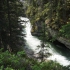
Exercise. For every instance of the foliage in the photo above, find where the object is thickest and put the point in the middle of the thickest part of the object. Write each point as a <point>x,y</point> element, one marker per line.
<point>56,11</point>
<point>50,65</point>
<point>11,31</point>
<point>43,52</point>
<point>36,10</point>
<point>10,28</point>
<point>65,30</point>
<point>10,61</point>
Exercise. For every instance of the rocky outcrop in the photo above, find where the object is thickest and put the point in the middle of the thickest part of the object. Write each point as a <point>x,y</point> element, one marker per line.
<point>65,41</point>
<point>62,40</point>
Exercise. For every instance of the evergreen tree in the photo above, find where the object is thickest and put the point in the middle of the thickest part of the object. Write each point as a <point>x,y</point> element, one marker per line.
<point>10,28</point>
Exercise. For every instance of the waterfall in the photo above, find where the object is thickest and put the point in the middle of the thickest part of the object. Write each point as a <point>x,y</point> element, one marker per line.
<point>28,29</point>
<point>32,42</point>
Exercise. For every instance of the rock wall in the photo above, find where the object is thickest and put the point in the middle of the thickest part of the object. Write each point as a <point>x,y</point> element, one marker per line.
<point>63,40</point>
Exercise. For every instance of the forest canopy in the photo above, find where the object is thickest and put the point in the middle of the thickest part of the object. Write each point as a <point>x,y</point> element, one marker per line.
<point>56,11</point>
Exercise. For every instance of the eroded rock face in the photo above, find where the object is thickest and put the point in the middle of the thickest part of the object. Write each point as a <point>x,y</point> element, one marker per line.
<point>63,40</point>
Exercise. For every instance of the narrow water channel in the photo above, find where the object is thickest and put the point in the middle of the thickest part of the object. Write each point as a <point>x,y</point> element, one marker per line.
<point>59,54</point>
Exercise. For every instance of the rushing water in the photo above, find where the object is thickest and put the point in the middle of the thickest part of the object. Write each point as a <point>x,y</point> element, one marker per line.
<point>59,54</point>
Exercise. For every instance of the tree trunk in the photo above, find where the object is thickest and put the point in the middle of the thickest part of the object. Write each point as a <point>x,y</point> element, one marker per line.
<point>10,31</point>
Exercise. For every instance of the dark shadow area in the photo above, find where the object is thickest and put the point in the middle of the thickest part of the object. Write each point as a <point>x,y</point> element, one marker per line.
<point>62,49</point>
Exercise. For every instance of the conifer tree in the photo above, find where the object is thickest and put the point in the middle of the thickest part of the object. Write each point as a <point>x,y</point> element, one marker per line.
<point>10,28</point>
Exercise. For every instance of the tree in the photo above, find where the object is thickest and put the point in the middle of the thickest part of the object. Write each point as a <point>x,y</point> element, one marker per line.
<point>10,31</point>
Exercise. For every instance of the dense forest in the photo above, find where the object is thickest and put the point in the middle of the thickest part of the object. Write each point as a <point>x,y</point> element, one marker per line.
<point>55,14</point>
<point>43,14</point>
<point>10,28</point>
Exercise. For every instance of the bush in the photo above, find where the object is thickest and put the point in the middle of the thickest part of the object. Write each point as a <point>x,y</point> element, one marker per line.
<point>65,30</point>
<point>50,65</point>
<point>11,60</point>
<point>19,61</point>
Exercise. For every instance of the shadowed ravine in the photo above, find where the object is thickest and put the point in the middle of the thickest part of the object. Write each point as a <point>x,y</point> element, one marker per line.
<point>32,42</point>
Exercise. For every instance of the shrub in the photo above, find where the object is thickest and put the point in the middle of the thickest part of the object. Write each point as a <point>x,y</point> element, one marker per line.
<point>65,30</point>
<point>19,61</point>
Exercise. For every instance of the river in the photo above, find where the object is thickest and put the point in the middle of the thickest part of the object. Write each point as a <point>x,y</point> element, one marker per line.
<point>59,54</point>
